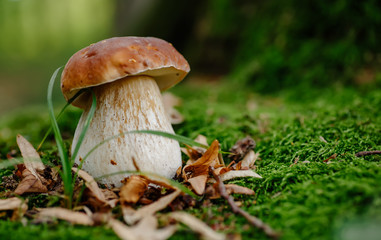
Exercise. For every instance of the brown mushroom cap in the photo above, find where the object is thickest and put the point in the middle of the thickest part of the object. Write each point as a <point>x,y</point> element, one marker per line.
<point>119,57</point>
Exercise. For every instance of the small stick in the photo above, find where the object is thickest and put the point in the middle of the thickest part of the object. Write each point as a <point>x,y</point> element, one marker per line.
<point>365,153</point>
<point>135,164</point>
<point>331,157</point>
<point>256,222</point>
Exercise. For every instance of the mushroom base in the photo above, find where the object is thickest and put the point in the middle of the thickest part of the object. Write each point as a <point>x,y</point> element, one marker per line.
<point>131,103</point>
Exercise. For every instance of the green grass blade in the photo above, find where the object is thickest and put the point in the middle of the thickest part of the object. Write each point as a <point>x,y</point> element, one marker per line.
<point>86,126</point>
<point>66,167</point>
<point>176,137</point>
<point>6,163</point>
<point>59,116</point>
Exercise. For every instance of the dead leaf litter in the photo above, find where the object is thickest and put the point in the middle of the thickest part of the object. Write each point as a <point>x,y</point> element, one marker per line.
<point>142,199</point>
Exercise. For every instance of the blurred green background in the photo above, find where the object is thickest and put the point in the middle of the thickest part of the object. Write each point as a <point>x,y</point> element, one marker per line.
<point>264,45</point>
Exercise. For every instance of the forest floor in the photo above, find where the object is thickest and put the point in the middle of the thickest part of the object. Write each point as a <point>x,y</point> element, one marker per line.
<point>313,185</point>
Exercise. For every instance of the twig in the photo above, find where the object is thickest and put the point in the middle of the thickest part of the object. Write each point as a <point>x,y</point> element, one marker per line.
<point>366,153</point>
<point>135,164</point>
<point>256,222</point>
<point>331,157</point>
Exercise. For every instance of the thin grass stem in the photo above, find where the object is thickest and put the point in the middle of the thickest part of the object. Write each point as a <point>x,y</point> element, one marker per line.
<point>66,168</point>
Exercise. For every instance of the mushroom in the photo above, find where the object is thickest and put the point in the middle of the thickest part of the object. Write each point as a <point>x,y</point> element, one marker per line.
<point>126,74</point>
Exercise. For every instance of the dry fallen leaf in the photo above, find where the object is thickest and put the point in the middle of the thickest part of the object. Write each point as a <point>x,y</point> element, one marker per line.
<point>32,159</point>
<point>198,183</point>
<point>237,174</point>
<point>241,148</point>
<point>11,203</point>
<point>221,170</point>
<point>201,166</point>
<point>197,172</point>
<point>170,102</point>
<point>133,189</point>
<point>131,216</point>
<point>233,188</point>
<point>193,152</point>
<point>249,160</point>
<point>92,185</point>
<point>30,184</point>
<point>197,225</point>
<point>213,193</point>
<point>147,228</point>
<point>65,214</point>
<point>18,206</point>
<point>31,181</point>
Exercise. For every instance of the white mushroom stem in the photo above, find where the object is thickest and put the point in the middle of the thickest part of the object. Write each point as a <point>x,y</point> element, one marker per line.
<point>132,103</point>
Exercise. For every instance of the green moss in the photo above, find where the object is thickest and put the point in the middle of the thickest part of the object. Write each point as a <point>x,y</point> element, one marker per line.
<point>311,199</point>
<point>62,230</point>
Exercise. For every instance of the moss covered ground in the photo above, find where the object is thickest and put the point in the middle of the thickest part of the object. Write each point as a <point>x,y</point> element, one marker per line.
<point>301,195</point>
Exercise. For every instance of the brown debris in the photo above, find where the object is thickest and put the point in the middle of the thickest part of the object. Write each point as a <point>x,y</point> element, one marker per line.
<point>133,189</point>
<point>331,157</point>
<point>30,184</point>
<point>93,187</point>
<point>131,216</point>
<point>237,174</point>
<point>201,166</point>
<point>366,153</point>
<point>256,222</point>
<point>32,181</point>
<point>213,193</point>
<point>142,196</point>
<point>241,148</point>
<point>198,183</point>
<point>17,205</point>
<point>194,152</point>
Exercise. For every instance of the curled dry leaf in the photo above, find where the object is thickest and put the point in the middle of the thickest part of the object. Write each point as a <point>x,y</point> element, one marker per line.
<point>197,225</point>
<point>201,166</point>
<point>221,170</point>
<point>131,216</point>
<point>92,185</point>
<point>171,101</point>
<point>197,172</point>
<point>193,152</point>
<point>66,214</point>
<point>147,228</point>
<point>249,160</point>
<point>241,148</point>
<point>30,184</point>
<point>133,189</point>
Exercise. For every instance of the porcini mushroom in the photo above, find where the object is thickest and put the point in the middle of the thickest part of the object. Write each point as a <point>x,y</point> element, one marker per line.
<point>126,75</point>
